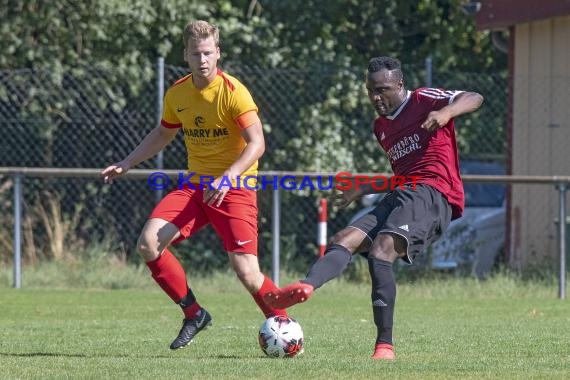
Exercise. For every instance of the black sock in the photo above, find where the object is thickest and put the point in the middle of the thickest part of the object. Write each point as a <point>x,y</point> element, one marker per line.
<point>331,265</point>
<point>383,297</point>
<point>188,299</point>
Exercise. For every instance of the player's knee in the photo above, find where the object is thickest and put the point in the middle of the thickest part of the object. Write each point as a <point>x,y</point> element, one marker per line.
<point>388,247</point>
<point>246,268</point>
<point>146,249</point>
<point>349,238</point>
<point>383,255</point>
<point>244,272</point>
<point>249,277</point>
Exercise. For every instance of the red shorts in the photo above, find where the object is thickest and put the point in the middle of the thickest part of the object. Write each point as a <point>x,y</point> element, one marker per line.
<point>235,220</point>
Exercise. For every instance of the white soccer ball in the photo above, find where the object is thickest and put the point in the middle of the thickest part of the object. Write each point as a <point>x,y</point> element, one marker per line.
<point>281,337</point>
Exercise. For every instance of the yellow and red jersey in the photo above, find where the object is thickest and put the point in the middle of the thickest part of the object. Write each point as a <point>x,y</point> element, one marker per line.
<point>208,118</point>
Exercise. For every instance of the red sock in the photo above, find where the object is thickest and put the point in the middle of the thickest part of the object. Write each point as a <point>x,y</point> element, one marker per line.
<point>170,276</point>
<point>267,310</point>
<point>191,311</point>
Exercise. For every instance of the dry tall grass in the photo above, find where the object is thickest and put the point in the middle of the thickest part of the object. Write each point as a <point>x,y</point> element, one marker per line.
<point>48,233</point>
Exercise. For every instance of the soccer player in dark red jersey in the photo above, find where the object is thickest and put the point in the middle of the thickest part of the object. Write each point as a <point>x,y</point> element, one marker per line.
<point>224,139</point>
<point>416,130</point>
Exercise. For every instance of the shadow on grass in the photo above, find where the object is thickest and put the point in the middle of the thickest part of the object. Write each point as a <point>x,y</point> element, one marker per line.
<point>56,354</point>
<point>229,357</point>
<point>32,354</point>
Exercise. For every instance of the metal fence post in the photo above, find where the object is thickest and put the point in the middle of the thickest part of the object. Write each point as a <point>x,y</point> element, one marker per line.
<point>17,230</point>
<point>276,235</point>
<point>562,242</point>
<point>429,71</point>
<point>159,105</point>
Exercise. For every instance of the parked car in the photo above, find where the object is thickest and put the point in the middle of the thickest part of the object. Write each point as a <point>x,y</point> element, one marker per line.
<point>473,243</point>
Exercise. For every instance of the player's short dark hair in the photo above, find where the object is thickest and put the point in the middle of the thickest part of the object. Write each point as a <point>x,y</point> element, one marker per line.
<point>392,64</point>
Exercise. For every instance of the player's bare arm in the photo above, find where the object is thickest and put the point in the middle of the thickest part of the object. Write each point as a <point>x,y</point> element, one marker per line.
<point>153,143</point>
<point>342,198</point>
<point>253,136</point>
<point>463,103</point>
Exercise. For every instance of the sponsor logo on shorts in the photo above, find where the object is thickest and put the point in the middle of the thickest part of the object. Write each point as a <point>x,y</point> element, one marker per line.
<point>241,243</point>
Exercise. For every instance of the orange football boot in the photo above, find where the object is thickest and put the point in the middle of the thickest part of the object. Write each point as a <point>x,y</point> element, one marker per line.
<point>282,298</point>
<point>384,351</point>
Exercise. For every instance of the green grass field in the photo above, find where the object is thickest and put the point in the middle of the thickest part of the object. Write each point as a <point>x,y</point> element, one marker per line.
<point>445,329</point>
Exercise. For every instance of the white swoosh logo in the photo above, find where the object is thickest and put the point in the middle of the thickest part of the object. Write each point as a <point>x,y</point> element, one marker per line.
<point>201,322</point>
<point>239,242</point>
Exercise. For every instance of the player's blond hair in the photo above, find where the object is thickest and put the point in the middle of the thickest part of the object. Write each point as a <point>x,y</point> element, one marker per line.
<point>199,30</point>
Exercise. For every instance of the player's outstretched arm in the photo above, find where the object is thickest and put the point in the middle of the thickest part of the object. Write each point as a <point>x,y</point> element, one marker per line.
<point>153,143</point>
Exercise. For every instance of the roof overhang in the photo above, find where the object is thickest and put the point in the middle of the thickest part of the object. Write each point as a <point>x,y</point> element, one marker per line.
<point>499,14</point>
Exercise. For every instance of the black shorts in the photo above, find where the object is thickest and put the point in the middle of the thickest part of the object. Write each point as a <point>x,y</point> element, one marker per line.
<point>420,216</point>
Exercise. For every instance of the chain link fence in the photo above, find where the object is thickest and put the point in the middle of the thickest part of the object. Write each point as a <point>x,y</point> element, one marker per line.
<point>87,117</point>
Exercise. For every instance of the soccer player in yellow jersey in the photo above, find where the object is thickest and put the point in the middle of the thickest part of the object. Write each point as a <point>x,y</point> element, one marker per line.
<point>224,140</point>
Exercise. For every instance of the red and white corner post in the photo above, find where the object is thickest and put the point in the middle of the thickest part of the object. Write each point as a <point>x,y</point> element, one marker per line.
<point>322,232</point>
